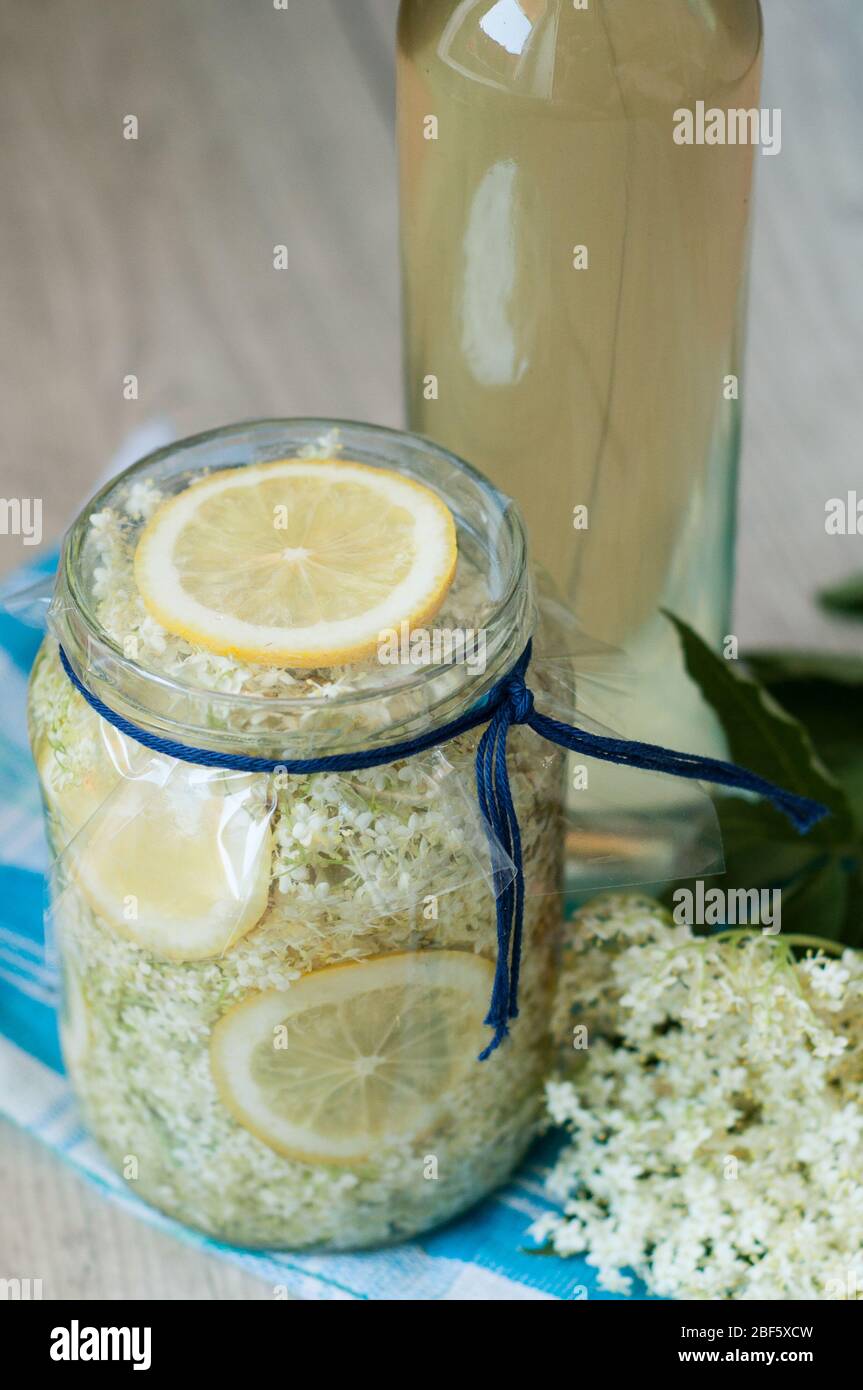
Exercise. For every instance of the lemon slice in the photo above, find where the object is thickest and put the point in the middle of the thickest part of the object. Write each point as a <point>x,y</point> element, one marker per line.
<point>76,796</point>
<point>296,563</point>
<point>74,1023</point>
<point>355,1056</point>
<point>181,870</point>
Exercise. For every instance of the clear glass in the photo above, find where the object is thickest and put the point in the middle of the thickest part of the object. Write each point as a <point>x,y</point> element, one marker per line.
<point>274,986</point>
<point>573,291</point>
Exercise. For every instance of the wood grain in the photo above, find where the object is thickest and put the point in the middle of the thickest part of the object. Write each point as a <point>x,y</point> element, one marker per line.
<point>57,1228</point>
<point>154,257</point>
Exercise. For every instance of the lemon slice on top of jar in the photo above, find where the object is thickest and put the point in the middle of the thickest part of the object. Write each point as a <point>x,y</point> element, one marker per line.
<point>353,1057</point>
<point>297,562</point>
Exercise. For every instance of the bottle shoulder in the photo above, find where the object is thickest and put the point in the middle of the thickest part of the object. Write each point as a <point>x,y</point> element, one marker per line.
<point>574,60</point>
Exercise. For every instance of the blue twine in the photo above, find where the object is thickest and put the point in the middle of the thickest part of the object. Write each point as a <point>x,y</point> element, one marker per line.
<point>509,702</point>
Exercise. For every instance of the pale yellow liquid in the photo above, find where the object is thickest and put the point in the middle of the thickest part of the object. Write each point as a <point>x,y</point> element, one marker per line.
<point>603,387</point>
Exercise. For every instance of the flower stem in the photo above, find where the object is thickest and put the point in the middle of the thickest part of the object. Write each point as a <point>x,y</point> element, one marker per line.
<point>817,943</point>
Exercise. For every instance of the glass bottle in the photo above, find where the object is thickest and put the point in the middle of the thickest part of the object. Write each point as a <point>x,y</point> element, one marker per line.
<point>573,285</point>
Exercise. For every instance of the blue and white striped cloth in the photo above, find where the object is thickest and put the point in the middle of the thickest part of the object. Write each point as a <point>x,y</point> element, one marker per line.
<point>484,1256</point>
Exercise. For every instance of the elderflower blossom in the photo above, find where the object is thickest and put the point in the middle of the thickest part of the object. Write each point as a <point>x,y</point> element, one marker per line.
<point>715,1115</point>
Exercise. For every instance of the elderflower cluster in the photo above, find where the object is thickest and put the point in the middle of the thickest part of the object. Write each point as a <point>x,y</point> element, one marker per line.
<point>713,1095</point>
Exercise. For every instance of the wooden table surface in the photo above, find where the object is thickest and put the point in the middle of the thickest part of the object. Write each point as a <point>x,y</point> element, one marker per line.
<point>154,257</point>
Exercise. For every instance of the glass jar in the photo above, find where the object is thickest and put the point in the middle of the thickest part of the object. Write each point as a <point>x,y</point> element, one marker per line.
<point>574,280</point>
<point>274,984</point>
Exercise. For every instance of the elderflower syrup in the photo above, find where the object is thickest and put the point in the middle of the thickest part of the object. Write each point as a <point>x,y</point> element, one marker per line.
<point>275,982</point>
<point>573,281</point>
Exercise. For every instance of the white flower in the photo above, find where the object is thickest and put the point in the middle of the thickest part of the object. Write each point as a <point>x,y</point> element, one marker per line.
<point>142,499</point>
<point>716,1118</point>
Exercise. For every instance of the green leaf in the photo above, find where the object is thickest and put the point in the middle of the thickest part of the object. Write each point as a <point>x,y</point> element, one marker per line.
<point>845,598</point>
<point>783,667</point>
<point>821,894</point>
<point>852,928</point>
<point>818,903</point>
<point>805,732</point>
<point>763,737</point>
<point>826,695</point>
<point>761,849</point>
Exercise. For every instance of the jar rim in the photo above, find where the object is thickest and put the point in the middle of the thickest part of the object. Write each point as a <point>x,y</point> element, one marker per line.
<point>100,660</point>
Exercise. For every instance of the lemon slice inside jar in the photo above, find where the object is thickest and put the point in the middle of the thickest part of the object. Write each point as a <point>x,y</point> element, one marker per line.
<point>353,1057</point>
<point>74,1022</point>
<point>74,794</point>
<point>181,871</point>
<point>297,562</point>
